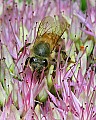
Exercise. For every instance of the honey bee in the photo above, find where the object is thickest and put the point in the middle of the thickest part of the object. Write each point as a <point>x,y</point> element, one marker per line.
<point>49,33</point>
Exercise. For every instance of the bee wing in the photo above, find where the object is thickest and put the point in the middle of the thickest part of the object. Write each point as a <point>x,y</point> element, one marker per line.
<point>45,26</point>
<point>60,25</point>
<point>56,25</point>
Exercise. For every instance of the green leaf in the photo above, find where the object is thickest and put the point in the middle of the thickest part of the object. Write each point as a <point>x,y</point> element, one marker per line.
<point>3,95</point>
<point>89,45</point>
<point>20,1</point>
<point>8,58</point>
<point>78,44</point>
<point>83,5</point>
<point>29,1</point>
<point>49,77</point>
<point>5,77</point>
<point>42,97</point>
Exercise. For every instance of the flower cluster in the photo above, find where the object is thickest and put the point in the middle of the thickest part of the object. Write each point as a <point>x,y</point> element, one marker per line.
<point>65,93</point>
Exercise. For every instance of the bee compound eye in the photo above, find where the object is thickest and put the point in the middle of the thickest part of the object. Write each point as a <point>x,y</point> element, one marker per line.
<point>45,62</point>
<point>33,60</point>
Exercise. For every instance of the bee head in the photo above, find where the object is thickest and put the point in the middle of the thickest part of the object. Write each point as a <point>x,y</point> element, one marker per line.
<point>38,63</point>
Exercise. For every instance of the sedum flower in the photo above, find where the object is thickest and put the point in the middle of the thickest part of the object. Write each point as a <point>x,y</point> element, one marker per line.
<point>67,92</point>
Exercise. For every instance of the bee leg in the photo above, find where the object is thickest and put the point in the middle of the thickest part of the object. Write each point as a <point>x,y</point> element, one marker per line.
<point>26,62</point>
<point>54,63</point>
<point>64,57</point>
